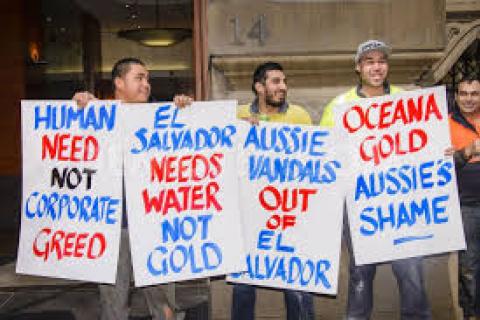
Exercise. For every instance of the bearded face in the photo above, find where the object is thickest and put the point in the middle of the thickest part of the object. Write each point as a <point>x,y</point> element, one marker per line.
<point>274,89</point>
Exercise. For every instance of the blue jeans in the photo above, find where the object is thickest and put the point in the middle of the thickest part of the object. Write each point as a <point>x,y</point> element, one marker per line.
<point>299,304</point>
<point>414,303</point>
<point>469,262</point>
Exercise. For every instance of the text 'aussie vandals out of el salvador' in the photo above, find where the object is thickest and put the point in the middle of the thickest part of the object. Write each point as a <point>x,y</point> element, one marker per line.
<point>284,154</point>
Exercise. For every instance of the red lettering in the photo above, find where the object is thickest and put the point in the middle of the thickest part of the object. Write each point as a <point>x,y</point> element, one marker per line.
<point>64,147</point>
<point>199,162</point>
<point>91,146</point>
<point>156,170</point>
<point>215,161</point>
<point>48,147</point>
<point>263,202</point>
<point>415,111</point>
<point>305,194</point>
<point>171,202</point>
<point>357,117</point>
<point>419,133</point>
<point>186,168</point>
<point>75,148</point>
<point>361,119</point>
<point>370,125</point>
<point>197,196</point>
<point>155,202</point>
<point>288,221</point>
<point>44,252</point>
<point>399,113</point>
<point>432,108</point>
<point>80,245</point>
<point>183,165</point>
<point>69,242</point>
<point>61,244</point>
<point>287,200</point>
<point>386,145</point>
<point>384,114</point>
<point>363,154</point>
<point>98,238</point>
<point>56,244</point>
<point>398,146</point>
<point>389,144</point>
<point>273,222</point>
<point>212,189</point>
<point>170,169</point>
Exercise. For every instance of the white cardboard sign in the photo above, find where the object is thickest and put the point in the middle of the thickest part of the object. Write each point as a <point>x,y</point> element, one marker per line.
<point>72,190</point>
<point>402,193</point>
<point>292,207</point>
<point>182,191</point>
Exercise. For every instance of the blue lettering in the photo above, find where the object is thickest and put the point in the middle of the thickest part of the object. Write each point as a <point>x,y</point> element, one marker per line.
<point>64,116</point>
<point>364,230</point>
<point>151,268</point>
<point>445,172</point>
<point>264,238</point>
<point>426,175</point>
<point>217,253</point>
<point>317,142</point>
<point>282,248</point>
<point>423,209</point>
<point>439,207</point>
<point>174,123</point>
<point>183,258</point>
<point>140,134</point>
<point>185,229</point>
<point>161,116</point>
<point>323,266</point>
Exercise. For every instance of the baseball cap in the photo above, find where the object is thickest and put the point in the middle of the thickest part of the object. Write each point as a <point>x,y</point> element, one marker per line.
<point>371,45</point>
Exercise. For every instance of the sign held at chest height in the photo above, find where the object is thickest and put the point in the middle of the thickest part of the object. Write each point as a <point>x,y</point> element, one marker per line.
<point>71,207</point>
<point>182,193</point>
<point>402,199</point>
<point>291,201</point>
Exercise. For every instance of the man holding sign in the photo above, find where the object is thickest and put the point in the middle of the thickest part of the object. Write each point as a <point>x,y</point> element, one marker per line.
<point>465,128</point>
<point>371,65</point>
<point>131,85</point>
<point>270,88</point>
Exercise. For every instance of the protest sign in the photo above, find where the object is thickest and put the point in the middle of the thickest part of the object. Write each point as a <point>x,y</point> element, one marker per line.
<point>292,207</point>
<point>402,197</point>
<point>72,189</point>
<point>182,191</point>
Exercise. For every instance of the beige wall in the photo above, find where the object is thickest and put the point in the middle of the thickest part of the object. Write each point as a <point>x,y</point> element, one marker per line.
<point>308,27</point>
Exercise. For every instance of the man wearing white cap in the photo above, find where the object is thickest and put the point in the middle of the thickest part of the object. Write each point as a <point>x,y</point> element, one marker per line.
<point>371,65</point>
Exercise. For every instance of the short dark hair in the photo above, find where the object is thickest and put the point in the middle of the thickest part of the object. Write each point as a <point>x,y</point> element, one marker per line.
<point>260,74</point>
<point>122,66</point>
<point>469,78</point>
